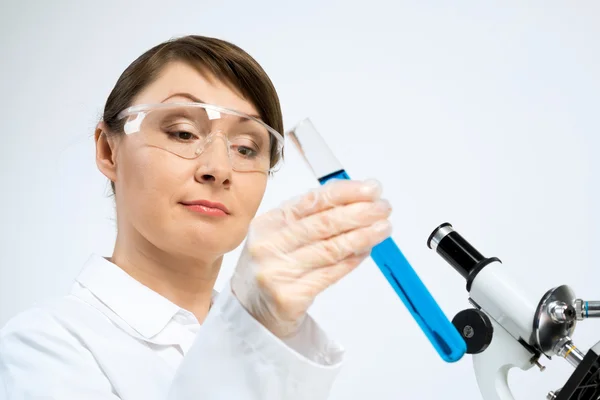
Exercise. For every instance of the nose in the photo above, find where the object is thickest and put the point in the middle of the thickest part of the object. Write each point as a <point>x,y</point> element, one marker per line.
<point>214,165</point>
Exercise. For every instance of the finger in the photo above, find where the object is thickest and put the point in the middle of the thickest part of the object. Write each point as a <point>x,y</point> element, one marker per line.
<point>322,278</point>
<point>333,193</point>
<point>272,220</point>
<point>333,250</point>
<point>329,223</point>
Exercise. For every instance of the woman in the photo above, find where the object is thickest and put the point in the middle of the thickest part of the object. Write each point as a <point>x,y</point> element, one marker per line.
<point>189,135</point>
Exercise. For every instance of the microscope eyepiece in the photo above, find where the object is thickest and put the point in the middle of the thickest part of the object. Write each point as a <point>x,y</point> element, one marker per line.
<point>459,253</point>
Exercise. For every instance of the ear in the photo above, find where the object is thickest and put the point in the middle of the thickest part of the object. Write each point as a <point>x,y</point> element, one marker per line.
<point>106,155</point>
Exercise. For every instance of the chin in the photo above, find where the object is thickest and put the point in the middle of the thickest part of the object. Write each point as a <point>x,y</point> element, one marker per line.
<point>210,238</point>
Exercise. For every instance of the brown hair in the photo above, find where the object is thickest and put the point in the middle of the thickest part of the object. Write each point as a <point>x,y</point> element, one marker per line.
<point>226,61</point>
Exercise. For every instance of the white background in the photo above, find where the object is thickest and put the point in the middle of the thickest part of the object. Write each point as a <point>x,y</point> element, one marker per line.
<point>483,114</point>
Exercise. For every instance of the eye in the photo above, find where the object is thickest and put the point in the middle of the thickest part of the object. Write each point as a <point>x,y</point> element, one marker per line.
<point>182,136</point>
<point>246,151</point>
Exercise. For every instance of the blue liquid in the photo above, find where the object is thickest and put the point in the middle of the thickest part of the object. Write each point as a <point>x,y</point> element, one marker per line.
<point>444,337</point>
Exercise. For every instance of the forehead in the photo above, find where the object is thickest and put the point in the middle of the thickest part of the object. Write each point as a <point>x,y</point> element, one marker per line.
<point>179,77</point>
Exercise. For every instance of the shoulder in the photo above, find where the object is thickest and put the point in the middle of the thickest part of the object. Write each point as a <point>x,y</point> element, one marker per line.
<point>54,325</point>
<point>51,333</point>
<point>37,326</point>
<point>43,348</point>
<point>34,319</point>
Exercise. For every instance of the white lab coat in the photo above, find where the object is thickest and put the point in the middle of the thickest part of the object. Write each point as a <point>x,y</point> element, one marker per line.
<point>113,338</point>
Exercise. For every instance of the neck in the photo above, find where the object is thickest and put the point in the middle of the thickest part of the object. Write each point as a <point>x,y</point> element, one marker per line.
<point>186,281</point>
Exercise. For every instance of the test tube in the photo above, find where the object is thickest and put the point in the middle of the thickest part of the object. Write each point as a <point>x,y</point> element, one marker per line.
<point>442,334</point>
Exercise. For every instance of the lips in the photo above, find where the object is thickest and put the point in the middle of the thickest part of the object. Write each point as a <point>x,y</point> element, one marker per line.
<point>205,205</point>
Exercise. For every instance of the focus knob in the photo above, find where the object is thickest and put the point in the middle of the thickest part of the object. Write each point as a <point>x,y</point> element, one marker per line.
<point>476,329</point>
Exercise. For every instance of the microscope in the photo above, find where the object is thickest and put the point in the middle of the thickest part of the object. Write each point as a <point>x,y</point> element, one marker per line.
<point>507,328</point>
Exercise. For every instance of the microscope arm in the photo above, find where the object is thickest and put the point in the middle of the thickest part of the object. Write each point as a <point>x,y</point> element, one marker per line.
<point>492,365</point>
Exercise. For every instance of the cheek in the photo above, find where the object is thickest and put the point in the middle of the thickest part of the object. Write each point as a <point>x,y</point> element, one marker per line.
<point>148,178</point>
<point>250,192</point>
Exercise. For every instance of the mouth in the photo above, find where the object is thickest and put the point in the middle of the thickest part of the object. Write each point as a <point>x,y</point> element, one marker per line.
<point>206,207</point>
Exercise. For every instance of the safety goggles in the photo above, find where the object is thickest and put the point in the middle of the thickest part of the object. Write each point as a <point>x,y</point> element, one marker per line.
<point>189,129</point>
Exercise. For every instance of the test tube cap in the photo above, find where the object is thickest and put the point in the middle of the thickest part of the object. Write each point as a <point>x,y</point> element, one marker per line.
<point>314,149</point>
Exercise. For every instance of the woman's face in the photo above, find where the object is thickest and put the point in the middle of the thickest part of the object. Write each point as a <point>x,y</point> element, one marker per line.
<point>153,186</point>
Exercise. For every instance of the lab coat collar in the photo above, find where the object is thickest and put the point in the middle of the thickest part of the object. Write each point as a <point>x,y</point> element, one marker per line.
<point>144,310</point>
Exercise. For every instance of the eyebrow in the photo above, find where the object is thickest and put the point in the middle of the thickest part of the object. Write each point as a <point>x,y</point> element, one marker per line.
<point>193,98</point>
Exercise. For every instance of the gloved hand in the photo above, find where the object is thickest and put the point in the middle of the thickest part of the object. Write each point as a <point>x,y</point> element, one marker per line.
<point>294,252</point>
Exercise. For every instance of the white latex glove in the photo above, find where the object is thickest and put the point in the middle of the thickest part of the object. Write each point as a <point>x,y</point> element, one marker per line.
<point>295,252</point>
